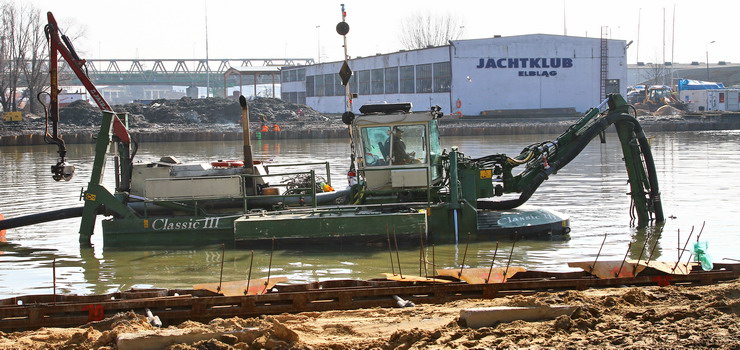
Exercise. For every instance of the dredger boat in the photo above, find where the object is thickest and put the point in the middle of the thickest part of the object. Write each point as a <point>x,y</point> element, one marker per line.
<point>401,181</point>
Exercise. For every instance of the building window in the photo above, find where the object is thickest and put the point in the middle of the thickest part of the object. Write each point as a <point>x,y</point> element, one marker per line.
<point>292,75</point>
<point>423,78</point>
<point>328,84</point>
<point>309,86</point>
<point>301,74</point>
<point>407,79</point>
<point>391,80</point>
<point>338,87</point>
<point>318,84</point>
<point>364,81</point>
<point>377,81</point>
<point>284,76</point>
<point>442,77</point>
<point>302,97</point>
<point>353,86</point>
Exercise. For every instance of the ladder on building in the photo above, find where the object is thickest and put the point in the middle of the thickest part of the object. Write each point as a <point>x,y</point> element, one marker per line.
<point>604,61</point>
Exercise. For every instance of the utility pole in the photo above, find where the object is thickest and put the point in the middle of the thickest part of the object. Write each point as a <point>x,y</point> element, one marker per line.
<point>318,39</point>
<point>706,48</point>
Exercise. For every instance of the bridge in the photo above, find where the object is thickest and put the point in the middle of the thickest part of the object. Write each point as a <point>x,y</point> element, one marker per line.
<point>184,72</point>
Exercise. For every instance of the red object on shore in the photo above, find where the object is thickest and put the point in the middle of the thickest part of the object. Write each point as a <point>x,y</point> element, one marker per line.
<point>228,163</point>
<point>2,232</point>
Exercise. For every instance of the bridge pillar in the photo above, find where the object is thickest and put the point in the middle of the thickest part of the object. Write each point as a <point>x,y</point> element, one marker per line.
<point>192,92</point>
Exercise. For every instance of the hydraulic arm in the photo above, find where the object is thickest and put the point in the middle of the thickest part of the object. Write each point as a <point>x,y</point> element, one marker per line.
<point>60,45</point>
<point>543,159</point>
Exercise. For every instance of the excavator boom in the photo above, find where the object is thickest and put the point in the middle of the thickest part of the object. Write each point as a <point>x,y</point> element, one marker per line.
<point>544,159</point>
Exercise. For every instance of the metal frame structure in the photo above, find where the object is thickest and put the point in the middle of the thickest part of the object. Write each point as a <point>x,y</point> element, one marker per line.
<point>174,305</point>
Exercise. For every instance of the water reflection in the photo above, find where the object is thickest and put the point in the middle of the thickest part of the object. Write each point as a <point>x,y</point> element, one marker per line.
<point>591,189</point>
<point>645,244</point>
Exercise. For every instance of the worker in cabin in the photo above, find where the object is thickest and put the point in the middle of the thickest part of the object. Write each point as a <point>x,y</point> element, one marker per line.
<point>399,155</point>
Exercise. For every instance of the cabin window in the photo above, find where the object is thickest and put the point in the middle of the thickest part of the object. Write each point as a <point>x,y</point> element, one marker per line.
<point>721,97</point>
<point>376,151</point>
<point>435,150</point>
<point>408,145</point>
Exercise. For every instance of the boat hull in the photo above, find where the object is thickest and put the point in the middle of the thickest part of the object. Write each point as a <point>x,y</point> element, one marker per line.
<point>344,224</point>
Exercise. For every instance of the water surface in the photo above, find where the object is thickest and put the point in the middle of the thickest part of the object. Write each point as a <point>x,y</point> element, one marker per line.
<point>697,175</point>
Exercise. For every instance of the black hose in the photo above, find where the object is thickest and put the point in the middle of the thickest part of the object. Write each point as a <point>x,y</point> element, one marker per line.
<point>584,140</point>
<point>41,217</point>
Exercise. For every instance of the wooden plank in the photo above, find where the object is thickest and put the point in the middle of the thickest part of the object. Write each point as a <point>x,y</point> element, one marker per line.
<point>480,275</point>
<point>410,278</point>
<point>630,268</point>
<point>236,288</point>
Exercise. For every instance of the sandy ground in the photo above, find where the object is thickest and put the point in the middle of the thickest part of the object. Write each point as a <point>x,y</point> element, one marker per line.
<point>674,317</point>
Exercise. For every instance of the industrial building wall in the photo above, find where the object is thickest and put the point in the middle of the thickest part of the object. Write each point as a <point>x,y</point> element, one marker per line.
<point>520,72</point>
<point>532,72</point>
<point>373,77</point>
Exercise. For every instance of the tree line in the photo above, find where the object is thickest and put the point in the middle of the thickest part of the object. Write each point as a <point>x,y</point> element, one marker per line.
<point>24,56</point>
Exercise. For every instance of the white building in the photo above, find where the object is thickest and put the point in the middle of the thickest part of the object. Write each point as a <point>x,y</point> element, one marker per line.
<point>472,76</point>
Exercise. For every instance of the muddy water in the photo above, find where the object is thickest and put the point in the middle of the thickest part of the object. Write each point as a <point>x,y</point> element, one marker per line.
<point>697,174</point>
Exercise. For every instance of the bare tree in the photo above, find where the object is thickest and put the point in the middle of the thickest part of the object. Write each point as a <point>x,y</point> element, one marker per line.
<point>35,69</point>
<point>655,73</point>
<point>423,30</point>
<point>9,63</point>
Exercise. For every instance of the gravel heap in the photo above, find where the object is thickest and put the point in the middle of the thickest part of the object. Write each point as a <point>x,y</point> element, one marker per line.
<point>212,110</point>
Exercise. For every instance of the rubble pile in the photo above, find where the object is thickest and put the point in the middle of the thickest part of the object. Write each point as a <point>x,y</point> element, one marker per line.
<point>186,110</point>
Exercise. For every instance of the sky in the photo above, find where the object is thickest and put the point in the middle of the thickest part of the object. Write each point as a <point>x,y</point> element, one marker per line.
<point>164,29</point>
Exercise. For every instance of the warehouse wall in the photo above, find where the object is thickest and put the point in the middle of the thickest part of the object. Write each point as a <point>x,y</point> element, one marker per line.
<point>531,72</point>
<point>520,72</point>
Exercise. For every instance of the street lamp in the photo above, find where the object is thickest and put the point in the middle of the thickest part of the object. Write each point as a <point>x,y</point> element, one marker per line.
<point>706,48</point>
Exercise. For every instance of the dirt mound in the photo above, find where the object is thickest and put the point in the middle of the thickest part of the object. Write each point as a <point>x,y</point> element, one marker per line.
<point>685,317</point>
<point>80,113</point>
<point>667,110</point>
<point>212,110</point>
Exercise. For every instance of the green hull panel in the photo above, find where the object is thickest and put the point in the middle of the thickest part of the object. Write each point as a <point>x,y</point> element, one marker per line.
<point>361,226</point>
<point>368,227</point>
<point>184,230</point>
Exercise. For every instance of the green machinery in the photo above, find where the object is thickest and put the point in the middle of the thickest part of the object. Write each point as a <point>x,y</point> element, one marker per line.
<point>401,180</point>
<point>427,190</point>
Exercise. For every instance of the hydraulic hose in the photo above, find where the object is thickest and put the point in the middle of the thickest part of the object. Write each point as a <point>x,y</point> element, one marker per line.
<point>41,217</point>
<point>572,152</point>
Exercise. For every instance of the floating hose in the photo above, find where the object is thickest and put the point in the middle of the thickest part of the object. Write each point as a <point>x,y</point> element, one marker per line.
<point>41,217</point>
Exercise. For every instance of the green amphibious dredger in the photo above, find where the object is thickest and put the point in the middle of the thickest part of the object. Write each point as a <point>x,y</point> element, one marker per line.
<point>401,180</point>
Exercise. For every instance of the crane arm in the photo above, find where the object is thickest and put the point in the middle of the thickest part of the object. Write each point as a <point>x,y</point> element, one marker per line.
<point>60,45</point>
<point>544,159</point>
